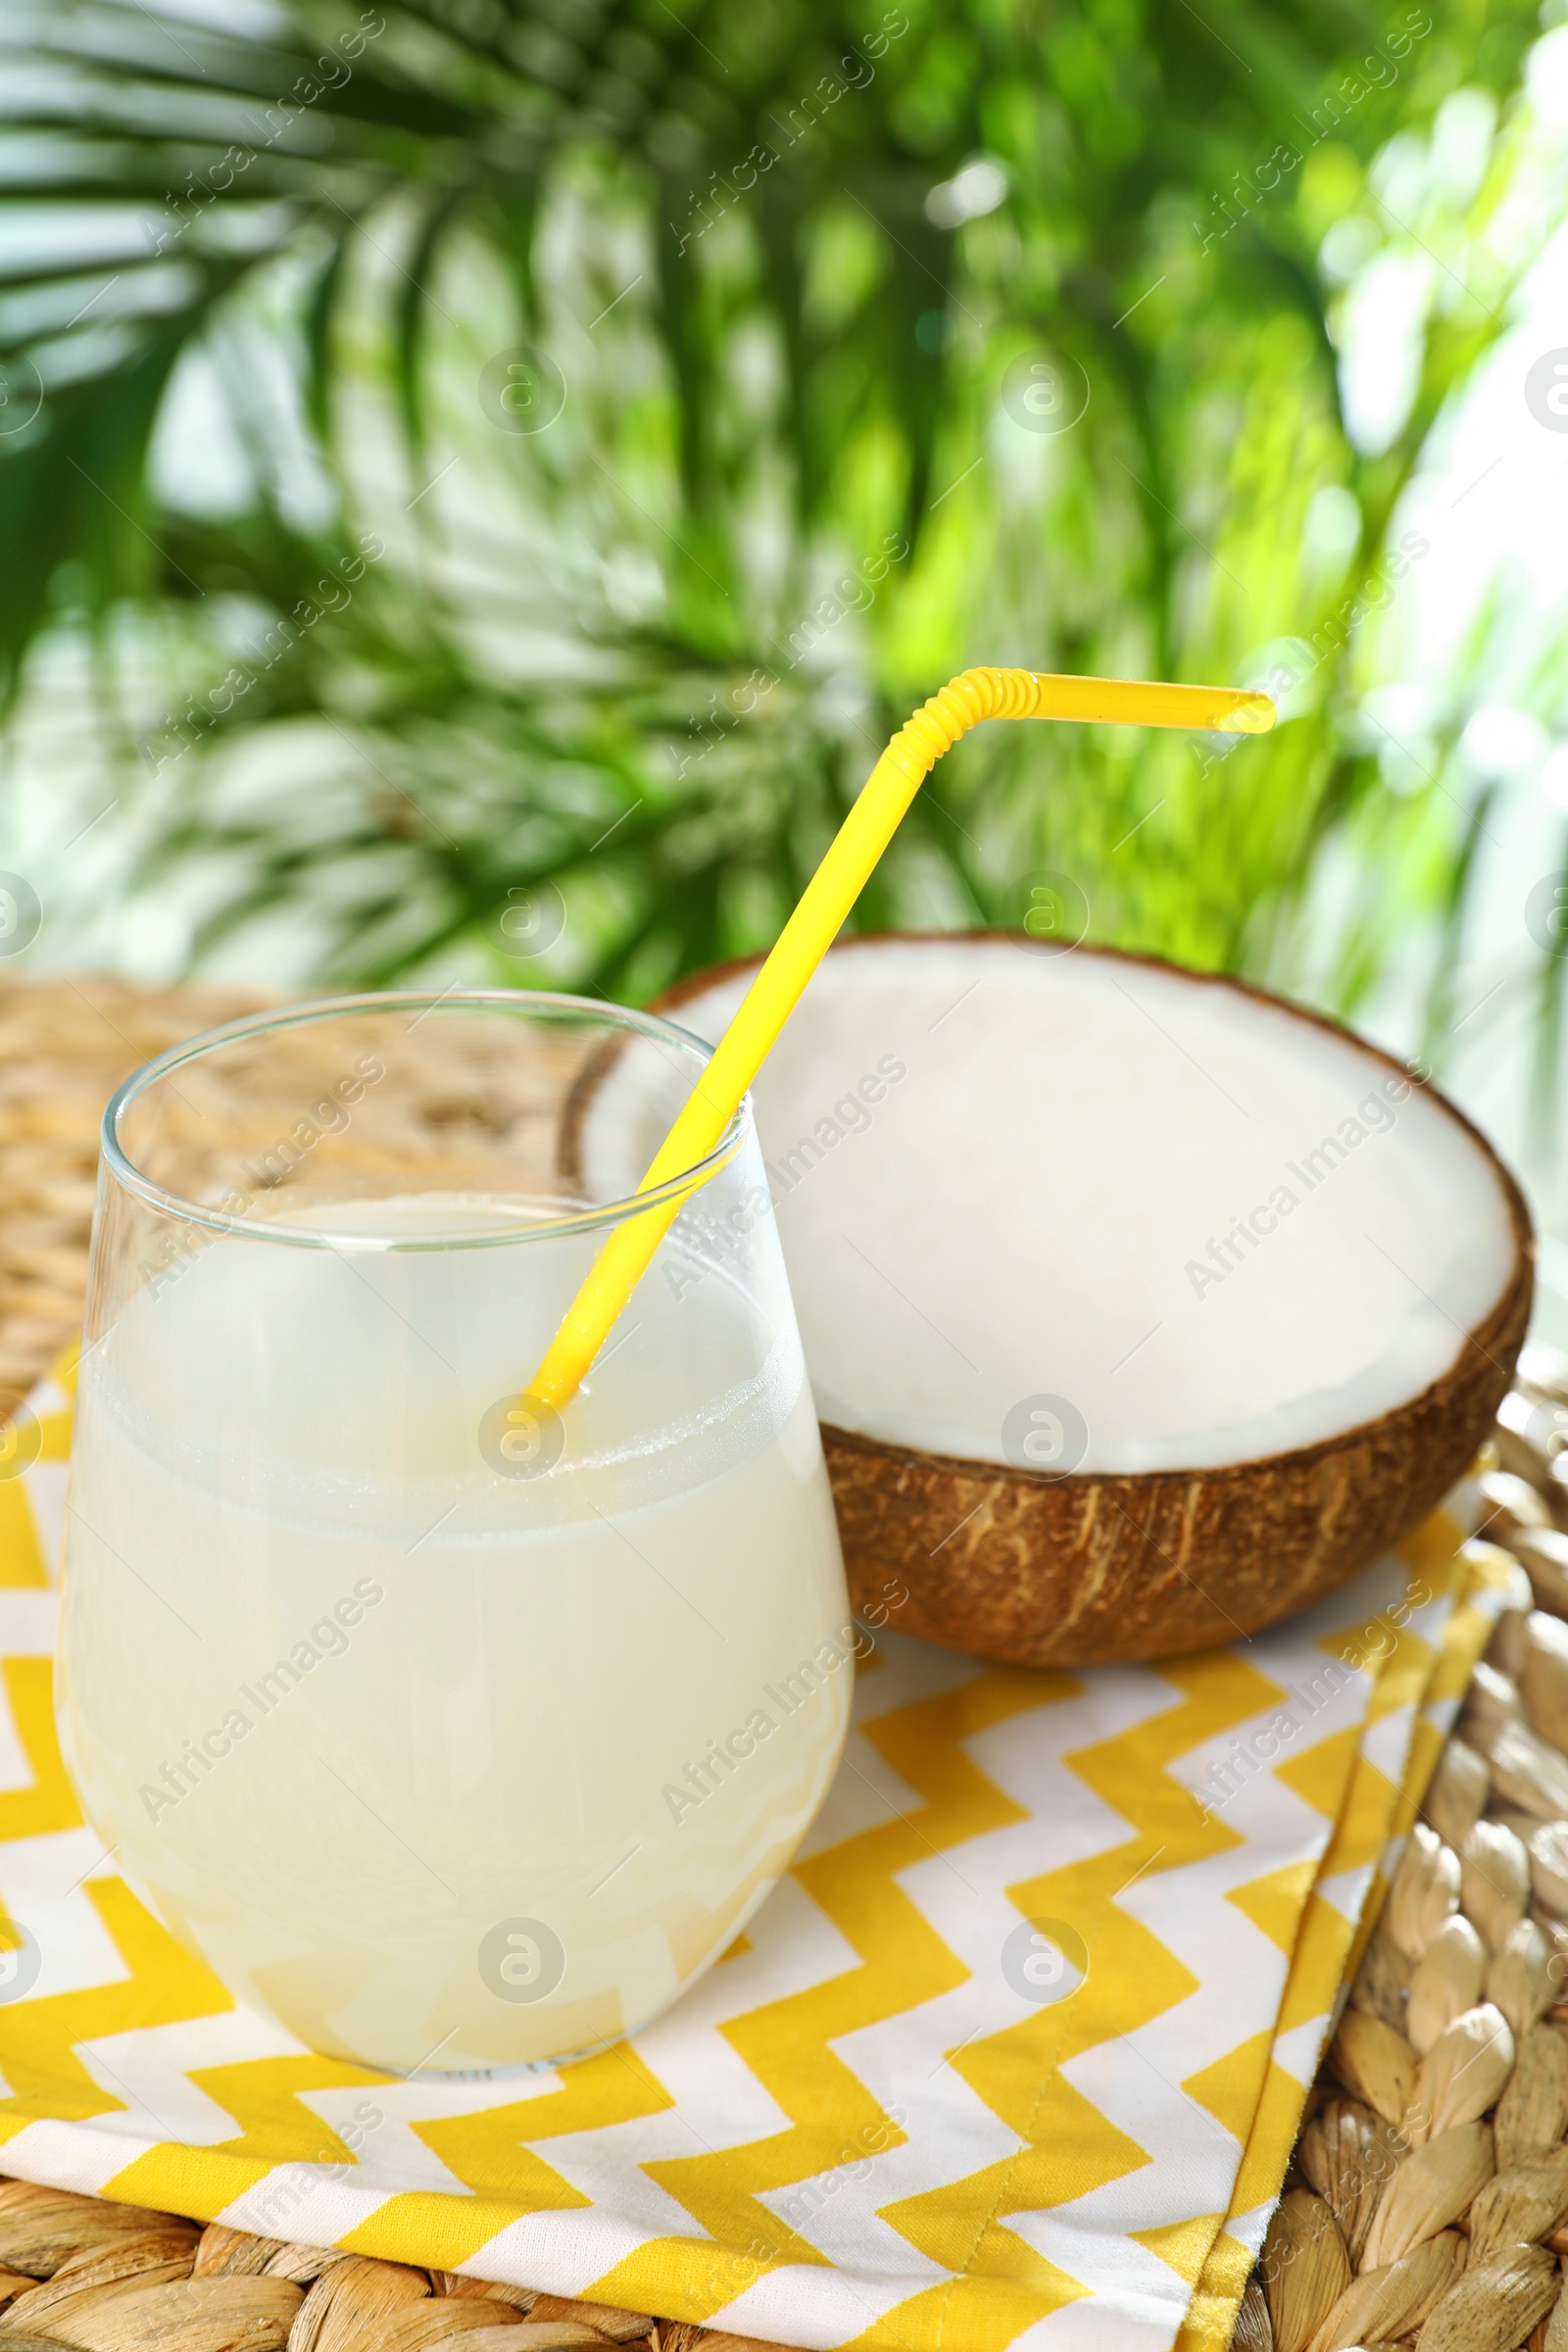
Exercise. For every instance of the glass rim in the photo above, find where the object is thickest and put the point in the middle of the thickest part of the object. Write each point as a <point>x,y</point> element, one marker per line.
<point>624,1017</point>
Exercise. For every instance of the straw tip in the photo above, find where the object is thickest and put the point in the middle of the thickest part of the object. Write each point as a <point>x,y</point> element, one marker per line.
<point>1249,715</point>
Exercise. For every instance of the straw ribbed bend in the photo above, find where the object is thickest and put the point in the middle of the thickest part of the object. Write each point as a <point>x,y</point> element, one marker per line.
<point>967,698</point>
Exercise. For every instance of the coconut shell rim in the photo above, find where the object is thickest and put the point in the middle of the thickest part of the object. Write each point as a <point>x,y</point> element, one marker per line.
<point>1473,1340</point>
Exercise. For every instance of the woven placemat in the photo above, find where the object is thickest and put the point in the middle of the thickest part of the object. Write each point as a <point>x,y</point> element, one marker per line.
<point>65,1046</point>
<point>1428,2198</point>
<point>1426,2203</point>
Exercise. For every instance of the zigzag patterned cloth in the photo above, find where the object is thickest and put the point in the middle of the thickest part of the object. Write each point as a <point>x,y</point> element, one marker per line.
<point>896,2115</point>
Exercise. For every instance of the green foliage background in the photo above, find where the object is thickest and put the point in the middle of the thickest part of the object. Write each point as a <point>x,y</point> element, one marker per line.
<point>591,715</point>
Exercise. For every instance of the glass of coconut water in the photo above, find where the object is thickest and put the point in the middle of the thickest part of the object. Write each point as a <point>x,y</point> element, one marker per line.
<point>453,1733</point>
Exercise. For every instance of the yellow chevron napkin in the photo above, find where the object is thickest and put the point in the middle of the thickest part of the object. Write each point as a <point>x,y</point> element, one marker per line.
<point>1015,2055</point>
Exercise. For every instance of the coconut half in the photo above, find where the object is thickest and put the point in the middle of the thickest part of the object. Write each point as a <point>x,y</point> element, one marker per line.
<point>1141,1307</point>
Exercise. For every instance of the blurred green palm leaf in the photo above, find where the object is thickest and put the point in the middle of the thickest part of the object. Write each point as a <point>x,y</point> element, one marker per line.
<point>631,407</point>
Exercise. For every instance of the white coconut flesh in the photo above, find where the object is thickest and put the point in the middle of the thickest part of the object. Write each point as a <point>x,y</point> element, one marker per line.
<point>1216,1230</point>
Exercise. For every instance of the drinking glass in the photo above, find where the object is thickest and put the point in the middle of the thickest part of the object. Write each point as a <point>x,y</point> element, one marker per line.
<point>454,1732</point>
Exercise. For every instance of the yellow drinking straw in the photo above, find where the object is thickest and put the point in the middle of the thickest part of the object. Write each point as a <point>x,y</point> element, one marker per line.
<point>814,926</point>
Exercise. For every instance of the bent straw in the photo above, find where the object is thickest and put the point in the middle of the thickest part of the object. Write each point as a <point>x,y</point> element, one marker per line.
<point>830,894</point>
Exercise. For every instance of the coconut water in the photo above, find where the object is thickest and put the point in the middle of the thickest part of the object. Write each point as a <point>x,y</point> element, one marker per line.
<point>450,1753</point>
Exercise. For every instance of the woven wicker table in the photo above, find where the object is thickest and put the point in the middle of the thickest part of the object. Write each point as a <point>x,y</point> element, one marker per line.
<point>1448,2227</point>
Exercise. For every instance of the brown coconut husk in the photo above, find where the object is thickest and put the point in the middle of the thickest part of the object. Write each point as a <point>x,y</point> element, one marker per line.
<point>1092,1568</point>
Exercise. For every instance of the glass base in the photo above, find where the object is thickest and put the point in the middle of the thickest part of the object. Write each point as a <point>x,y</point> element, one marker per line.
<point>489,2074</point>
